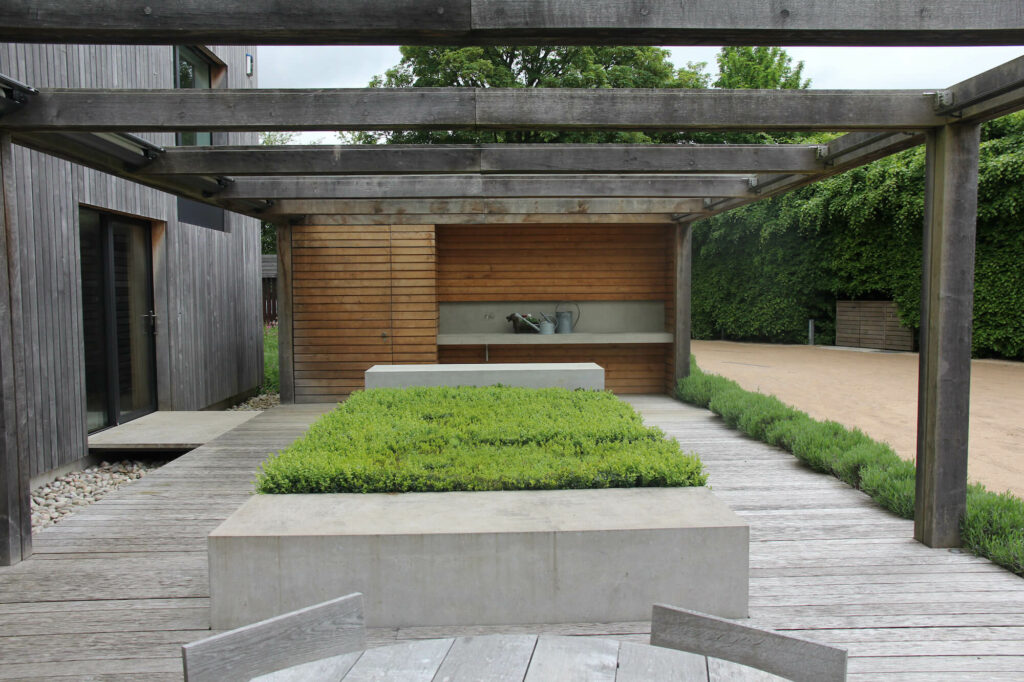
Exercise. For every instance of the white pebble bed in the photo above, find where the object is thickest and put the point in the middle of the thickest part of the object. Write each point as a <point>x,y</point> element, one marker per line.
<point>55,501</point>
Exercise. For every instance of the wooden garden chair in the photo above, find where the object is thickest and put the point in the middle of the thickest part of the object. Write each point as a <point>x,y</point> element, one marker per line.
<point>791,657</point>
<point>329,629</point>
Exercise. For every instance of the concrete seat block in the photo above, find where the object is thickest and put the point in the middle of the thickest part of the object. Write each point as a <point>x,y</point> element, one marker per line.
<point>482,558</point>
<point>570,375</point>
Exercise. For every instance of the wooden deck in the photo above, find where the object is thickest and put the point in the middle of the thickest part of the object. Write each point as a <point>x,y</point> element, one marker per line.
<point>112,592</point>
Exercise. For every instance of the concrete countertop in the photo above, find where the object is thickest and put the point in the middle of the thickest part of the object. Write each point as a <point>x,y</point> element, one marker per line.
<point>508,339</point>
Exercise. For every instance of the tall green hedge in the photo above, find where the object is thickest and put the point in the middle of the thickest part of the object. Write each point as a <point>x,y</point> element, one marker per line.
<point>762,271</point>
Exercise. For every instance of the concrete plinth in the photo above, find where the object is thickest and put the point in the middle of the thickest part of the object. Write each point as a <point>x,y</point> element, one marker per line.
<point>482,558</point>
<point>571,375</point>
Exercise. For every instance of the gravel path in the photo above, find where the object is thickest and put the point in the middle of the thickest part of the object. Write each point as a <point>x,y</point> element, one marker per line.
<point>877,393</point>
<point>54,501</point>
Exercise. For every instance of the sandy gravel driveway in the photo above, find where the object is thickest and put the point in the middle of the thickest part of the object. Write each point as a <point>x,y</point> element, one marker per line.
<point>877,393</point>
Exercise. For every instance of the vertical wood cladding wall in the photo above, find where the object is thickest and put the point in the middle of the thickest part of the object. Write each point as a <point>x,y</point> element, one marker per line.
<point>206,282</point>
<point>361,296</point>
<point>564,262</point>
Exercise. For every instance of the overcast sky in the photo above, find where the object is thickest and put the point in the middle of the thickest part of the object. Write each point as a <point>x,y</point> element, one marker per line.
<point>827,67</point>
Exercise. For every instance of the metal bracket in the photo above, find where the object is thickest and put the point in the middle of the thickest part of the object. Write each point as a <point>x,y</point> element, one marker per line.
<point>16,90</point>
<point>943,99</point>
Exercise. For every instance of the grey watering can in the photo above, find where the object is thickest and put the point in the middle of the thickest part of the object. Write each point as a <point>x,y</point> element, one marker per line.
<point>547,325</point>
<point>564,321</point>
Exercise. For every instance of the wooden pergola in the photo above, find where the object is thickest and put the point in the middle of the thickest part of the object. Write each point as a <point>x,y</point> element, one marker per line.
<point>519,184</point>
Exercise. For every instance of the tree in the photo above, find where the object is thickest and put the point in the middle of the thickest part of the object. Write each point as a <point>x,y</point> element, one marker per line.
<point>532,67</point>
<point>761,68</point>
<point>268,231</point>
<point>757,68</point>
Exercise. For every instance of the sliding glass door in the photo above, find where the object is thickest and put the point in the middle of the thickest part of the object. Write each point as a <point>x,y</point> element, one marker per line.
<point>118,319</point>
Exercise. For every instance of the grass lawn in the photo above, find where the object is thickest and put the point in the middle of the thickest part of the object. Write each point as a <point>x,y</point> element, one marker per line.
<point>271,366</point>
<point>493,438</point>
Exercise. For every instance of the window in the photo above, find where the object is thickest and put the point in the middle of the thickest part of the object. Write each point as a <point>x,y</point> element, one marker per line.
<point>193,70</point>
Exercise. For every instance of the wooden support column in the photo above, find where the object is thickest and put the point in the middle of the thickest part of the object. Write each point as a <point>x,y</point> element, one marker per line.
<point>947,297</point>
<point>15,509</point>
<point>684,266</point>
<point>285,352</point>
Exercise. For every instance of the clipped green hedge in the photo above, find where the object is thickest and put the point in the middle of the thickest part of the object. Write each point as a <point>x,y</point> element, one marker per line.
<point>993,526</point>
<point>494,438</point>
<point>760,271</point>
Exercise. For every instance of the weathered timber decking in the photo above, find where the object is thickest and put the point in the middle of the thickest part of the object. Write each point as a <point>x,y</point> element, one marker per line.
<point>113,591</point>
<point>828,563</point>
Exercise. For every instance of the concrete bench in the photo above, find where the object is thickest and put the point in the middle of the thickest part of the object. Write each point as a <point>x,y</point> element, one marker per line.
<point>571,375</point>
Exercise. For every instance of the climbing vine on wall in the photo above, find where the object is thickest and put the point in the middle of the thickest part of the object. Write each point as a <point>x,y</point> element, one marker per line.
<point>760,272</point>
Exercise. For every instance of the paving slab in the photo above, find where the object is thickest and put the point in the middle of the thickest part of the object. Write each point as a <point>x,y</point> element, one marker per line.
<point>169,430</point>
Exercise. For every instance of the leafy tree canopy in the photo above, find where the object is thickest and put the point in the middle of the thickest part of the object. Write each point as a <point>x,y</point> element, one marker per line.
<point>763,68</point>
<point>532,67</point>
<point>579,67</point>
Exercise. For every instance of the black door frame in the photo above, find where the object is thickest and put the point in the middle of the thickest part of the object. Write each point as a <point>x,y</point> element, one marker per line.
<point>114,416</point>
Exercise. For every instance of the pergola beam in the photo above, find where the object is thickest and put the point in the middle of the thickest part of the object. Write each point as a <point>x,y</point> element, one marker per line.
<point>490,219</point>
<point>843,154</point>
<point>487,186</point>
<point>476,22</point>
<point>988,95</point>
<point>15,503</point>
<point>947,303</point>
<point>496,158</point>
<point>474,108</point>
<point>111,153</point>
<point>417,208</point>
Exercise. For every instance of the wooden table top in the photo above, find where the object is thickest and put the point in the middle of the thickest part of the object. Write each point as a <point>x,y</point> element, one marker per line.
<point>508,658</point>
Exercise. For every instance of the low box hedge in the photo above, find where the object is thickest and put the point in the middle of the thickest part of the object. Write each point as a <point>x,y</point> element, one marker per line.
<point>492,438</point>
<point>993,526</point>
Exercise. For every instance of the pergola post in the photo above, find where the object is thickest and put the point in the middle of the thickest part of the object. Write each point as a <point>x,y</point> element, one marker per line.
<point>15,505</point>
<point>285,354</point>
<point>684,266</point>
<point>947,297</point>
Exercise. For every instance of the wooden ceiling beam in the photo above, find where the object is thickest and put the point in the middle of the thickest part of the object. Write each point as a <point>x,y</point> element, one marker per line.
<point>487,186</point>
<point>416,209</point>
<point>474,108</point>
<point>524,22</point>
<point>489,159</point>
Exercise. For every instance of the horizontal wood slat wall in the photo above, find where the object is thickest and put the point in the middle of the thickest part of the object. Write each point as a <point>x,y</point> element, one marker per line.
<point>564,262</point>
<point>362,296</point>
<point>871,324</point>
<point>554,262</point>
<point>628,368</point>
<point>414,313</point>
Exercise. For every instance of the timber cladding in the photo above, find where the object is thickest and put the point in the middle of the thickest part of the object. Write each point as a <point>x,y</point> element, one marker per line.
<point>564,262</point>
<point>628,368</point>
<point>871,324</point>
<point>556,262</point>
<point>361,296</point>
<point>366,295</point>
